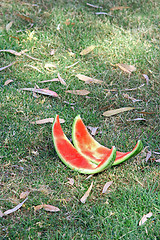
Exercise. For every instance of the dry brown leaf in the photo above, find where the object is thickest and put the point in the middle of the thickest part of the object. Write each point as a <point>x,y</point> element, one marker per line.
<point>144,218</point>
<point>106,186</point>
<point>2,68</point>
<point>126,68</point>
<point>149,154</point>
<point>15,208</point>
<point>118,8</point>
<point>50,208</point>
<point>71,181</point>
<point>24,194</point>
<point>9,25</point>
<point>78,92</point>
<point>50,65</point>
<point>88,79</point>
<point>28,19</point>
<point>8,81</point>
<point>93,130</point>
<point>61,80</point>
<point>47,120</point>
<point>38,207</point>
<point>40,91</point>
<point>116,111</point>
<point>87,50</point>
<point>85,196</point>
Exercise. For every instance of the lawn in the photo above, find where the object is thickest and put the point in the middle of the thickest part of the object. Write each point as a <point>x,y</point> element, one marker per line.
<point>50,36</point>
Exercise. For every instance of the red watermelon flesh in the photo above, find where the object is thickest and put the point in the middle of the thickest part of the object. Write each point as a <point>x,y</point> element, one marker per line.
<point>72,158</point>
<point>92,150</point>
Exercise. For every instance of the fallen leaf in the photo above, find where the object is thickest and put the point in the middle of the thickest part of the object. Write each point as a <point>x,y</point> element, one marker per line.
<point>11,51</point>
<point>24,194</point>
<point>67,22</point>
<point>2,68</point>
<point>118,8</point>
<point>78,92</point>
<point>9,25</point>
<point>71,181</point>
<point>133,89</point>
<point>144,218</point>
<point>47,120</point>
<point>91,175</point>
<point>50,208</point>
<point>87,50</point>
<point>149,154</point>
<point>15,208</point>
<point>52,80</point>
<point>93,130</point>
<point>126,68</point>
<point>103,13</point>
<point>146,77</point>
<point>158,160</point>
<point>41,91</point>
<point>28,19</point>
<point>88,79</point>
<point>106,186</point>
<point>50,65</point>
<point>116,111</point>
<point>125,95</point>
<point>1,214</point>
<point>8,81</point>
<point>38,207</point>
<point>72,65</point>
<point>61,80</point>
<point>94,6</point>
<point>85,196</point>
<point>33,68</point>
<point>136,119</point>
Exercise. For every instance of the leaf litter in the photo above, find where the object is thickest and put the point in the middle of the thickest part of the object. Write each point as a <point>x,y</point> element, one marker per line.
<point>78,92</point>
<point>144,218</point>
<point>24,194</point>
<point>93,130</point>
<point>41,91</point>
<point>61,80</point>
<point>48,208</point>
<point>106,186</point>
<point>85,196</point>
<point>46,120</point>
<point>87,50</point>
<point>126,68</point>
<point>88,79</point>
<point>117,111</point>
<point>8,81</point>
<point>125,95</point>
<point>12,63</point>
<point>8,26</point>
<point>9,211</point>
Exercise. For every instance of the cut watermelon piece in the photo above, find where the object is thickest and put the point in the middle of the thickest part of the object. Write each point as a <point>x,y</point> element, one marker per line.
<point>72,158</point>
<point>92,150</point>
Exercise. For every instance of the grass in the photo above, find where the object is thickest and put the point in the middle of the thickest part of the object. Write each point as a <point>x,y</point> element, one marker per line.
<point>28,158</point>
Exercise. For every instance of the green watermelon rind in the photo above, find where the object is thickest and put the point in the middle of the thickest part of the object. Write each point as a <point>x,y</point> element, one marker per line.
<point>133,153</point>
<point>108,163</point>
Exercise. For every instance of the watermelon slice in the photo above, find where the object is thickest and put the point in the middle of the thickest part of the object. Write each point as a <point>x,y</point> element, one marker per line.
<point>92,150</point>
<point>72,158</point>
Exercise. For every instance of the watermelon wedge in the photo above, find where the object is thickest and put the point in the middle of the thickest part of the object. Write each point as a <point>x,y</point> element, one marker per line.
<point>72,158</point>
<point>92,150</point>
